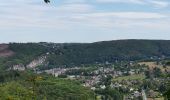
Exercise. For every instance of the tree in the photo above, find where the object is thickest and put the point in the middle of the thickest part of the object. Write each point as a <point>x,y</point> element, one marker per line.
<point>167,95</point>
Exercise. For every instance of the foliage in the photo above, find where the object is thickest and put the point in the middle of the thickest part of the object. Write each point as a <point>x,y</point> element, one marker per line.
<point>130,77</point>
<point>73,54</point>
<point>24,53</point>
<point>44,87</point>
<point>110,94</point>
<point>76,54</point>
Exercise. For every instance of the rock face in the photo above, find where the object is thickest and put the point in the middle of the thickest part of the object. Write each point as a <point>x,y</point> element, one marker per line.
<point>36,62</point>
<point>33,64</point>
<point>4,51</point>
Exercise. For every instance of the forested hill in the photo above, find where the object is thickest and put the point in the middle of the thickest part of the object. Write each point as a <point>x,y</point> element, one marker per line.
<point>87,53</point>
<point>111,51</point>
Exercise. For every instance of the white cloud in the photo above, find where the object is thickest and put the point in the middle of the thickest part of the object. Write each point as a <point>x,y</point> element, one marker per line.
<point>128,15</point>
<point>70,16</point>
<point>75,1</point>
<point>18,14</point>
<point>121,1</point>
<point>154,3</point>
<point>29,14</point>
<point>79,8</point>
<point>159,4</point>
<point>124,20</point>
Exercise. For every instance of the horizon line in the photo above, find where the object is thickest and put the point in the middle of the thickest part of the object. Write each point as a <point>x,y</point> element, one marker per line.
<point>85,42</point>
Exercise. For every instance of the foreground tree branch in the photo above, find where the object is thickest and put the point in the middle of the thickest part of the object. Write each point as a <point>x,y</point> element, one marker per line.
<point>47,1</point>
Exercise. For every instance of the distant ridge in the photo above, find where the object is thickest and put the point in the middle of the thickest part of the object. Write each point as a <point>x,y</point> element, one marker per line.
<point>132,49</point>
<point>70,54</point>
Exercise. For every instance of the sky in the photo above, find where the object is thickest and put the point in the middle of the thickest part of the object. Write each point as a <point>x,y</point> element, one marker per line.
<point>64,21</point>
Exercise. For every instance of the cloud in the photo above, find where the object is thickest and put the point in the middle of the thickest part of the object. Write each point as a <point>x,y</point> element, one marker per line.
<point>75,8</point>
<point>82,15</point>
<point>128,15</point>
<point>70,15</point>
<point>123,20</point>
<point>159,4</point>
<point>154,3</point>
<point>121,1</point>
<point>75,1</point>
<point>32,14</point>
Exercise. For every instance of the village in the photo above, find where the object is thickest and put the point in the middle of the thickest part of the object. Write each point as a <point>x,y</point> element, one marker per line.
<point>132,79</point>
<point>135,80</point>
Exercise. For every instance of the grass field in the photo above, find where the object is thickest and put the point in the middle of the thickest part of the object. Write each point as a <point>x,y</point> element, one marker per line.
<point>152,65</point>
<point>155,99</point>
<point>130,77</point>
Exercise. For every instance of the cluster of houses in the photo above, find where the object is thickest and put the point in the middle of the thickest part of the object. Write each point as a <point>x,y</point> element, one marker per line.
<point>55,72</point>
<point>94,79</point>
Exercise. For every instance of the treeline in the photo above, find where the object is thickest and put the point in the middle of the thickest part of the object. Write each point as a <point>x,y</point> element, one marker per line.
<point>100,52</point>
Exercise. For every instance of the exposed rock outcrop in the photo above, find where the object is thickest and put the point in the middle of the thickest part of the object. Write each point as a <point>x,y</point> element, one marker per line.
<point>37,62</point>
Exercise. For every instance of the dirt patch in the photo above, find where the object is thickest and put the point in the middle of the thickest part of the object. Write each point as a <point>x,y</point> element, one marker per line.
<point>4,51</point>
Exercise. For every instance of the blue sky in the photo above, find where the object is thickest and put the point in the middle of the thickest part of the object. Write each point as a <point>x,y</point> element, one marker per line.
<point>83,20</point>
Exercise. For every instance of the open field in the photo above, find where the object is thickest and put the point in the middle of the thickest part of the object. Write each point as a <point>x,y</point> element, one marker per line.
<point>155,99</point>
<point>153,65</point>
